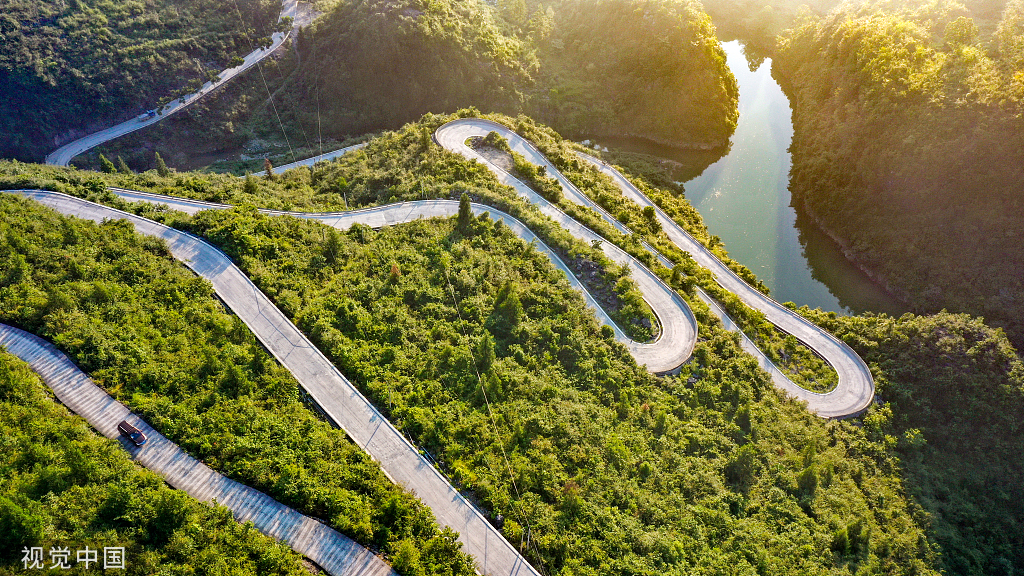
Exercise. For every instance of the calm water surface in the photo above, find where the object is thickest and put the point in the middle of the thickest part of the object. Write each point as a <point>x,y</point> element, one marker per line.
<point>744,199</point>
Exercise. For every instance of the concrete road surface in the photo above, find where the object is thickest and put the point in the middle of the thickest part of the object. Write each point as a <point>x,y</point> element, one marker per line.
<point>334,552</point>
<point>338,398</point>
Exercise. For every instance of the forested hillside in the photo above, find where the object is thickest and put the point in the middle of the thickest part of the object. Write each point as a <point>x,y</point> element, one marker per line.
<point>909,147</point>
<point>651,68</point>
<point>63,485</point>
<point>378,63</point>
<point>955,389</point>
<point>647,68</point>
<point>69,68</point>
<point>156,338</point>
<point>616,471</point>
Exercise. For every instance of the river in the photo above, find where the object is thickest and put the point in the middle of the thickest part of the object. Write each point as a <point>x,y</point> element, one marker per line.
<point>744,199</point>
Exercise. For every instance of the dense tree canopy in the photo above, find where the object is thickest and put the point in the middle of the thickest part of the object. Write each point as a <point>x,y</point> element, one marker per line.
<point>378,63</point>
<point>915,116</point>
<point>647,68</point>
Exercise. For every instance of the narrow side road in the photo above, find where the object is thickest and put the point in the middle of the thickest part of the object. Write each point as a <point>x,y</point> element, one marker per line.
<point>320,158</point>
<point>332,551</point>
<point>63,155</point>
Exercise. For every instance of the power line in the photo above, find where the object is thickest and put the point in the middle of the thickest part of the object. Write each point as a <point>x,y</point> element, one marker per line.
<point>494,424</point>
<point>264,78</point>
<point>280,75</point>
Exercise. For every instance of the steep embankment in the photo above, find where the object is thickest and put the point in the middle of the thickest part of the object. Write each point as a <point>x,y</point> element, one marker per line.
<point>68,68</point>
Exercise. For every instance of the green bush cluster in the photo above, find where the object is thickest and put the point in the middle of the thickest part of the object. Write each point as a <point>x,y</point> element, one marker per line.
<point>62,485</point>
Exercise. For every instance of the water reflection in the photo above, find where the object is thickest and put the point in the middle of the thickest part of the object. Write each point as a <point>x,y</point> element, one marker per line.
<point>744,199</point>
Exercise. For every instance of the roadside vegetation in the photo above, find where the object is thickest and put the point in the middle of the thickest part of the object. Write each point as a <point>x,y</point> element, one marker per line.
<point>445,323</point>
<point>156,338</point>
<point>70,68</point>
<point>407,165</point>
<point>63,485</point>
<point>615,470</point>
<point>794,358</point>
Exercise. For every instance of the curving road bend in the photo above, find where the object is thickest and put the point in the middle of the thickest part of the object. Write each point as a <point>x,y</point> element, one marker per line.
<point>338,398</point>
<point>678,325</point>
<point>63,155</point>
<point>334,552</point>
<point>856,388</point>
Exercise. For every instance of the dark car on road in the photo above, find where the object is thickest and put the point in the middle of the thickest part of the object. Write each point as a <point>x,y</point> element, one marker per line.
<point>132,433</point>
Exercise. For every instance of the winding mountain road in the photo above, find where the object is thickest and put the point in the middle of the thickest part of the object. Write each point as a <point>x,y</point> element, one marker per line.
<point>332,551</point>
<point>317,159</point>
<point>391,215</point>
<point>678,326</point>
<point>854,391</point>
<point>856,388</point>
<point>335,395</point>
<point>346,406</point>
